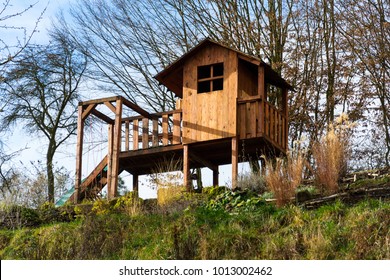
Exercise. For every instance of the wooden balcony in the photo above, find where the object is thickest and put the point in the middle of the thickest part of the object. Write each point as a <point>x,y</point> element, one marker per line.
<point>157,130</point>
<point>137,144</point>
<point>262,119</point>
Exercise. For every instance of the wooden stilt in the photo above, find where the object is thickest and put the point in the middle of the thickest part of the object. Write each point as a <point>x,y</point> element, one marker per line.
<point>234,162</point>
<point>186,168</point>
<point>109,157</point>
<point>116,148</point>
<point>215,177</point>
<point>79,153</point>
<point>135,184</point>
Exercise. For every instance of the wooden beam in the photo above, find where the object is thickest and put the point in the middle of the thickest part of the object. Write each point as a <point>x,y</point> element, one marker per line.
<point>109,157</point>
<point>203,161</point>
<point>135,108</point>
<point>186,168</point>
<point>99,100</point>
<point>79,153</point>
<point>234,162</point>
<point>102,116</point>
<point>116,149</point>
<point>88,110</point>
<point>110,106</point>
<point>249,59</point>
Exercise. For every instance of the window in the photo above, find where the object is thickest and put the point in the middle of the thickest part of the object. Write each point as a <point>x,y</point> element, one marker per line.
<point>210,77</point>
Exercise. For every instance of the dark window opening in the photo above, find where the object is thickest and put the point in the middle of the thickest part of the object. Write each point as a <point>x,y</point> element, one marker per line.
<point>210,78</point>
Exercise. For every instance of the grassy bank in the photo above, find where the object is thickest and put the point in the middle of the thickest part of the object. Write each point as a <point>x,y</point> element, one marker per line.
<point>217,224</point>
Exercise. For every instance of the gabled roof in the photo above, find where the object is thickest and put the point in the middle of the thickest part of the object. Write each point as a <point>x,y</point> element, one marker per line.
<point>172,76</point>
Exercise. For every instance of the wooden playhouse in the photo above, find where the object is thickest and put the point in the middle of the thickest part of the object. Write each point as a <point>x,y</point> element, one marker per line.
<point>231,107</point>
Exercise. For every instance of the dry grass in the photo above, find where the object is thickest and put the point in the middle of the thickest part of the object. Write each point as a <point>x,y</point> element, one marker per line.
<point>284,176</point>
<point>331,155</point>
<point>168,180</point>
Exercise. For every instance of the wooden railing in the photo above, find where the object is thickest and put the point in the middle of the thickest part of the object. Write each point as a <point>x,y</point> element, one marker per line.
<point>275,125</point>
<point>262,120</point>
<point>161,129</point>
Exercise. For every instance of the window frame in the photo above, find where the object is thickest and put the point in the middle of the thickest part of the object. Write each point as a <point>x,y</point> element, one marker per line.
<point>212,77</point>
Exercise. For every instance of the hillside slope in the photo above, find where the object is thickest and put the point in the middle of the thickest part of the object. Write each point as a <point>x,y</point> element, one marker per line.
<point>217,224</point>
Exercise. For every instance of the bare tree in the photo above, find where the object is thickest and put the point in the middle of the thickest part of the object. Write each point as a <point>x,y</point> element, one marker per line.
<point>41,92</point>
<point>366,30</point>
<point>128,43</point>
<point>321,47</point>
<point>9,50</point>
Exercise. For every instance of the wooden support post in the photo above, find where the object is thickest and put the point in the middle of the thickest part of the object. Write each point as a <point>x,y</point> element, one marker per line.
<point>234,162</point>
<point>135,135</point>
<point>285,111</point>
<point>116,148</point>
<point>109,156</point>
<point>186,168</point>
<point>165,139</point>
<point>127,135</point>
<point>79,153</point>
<point>155,133</point>
<point>215,177</point>
<point>135,183</point>
<point>262,95</point>
<point>176,128</point>
<point>145,133</point>
<point>263,166</point>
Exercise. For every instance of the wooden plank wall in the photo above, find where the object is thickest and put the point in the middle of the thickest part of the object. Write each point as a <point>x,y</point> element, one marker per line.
<point>209,116</point>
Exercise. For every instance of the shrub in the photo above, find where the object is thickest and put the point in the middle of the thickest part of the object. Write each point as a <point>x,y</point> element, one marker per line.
<point>129,204</point>
<point>252,181</point>
<point>15,216</point>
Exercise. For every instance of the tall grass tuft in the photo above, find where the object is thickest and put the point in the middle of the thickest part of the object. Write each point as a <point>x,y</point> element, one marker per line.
<point>168,180</point>
<point>283,176</point>
<point>330,155</point>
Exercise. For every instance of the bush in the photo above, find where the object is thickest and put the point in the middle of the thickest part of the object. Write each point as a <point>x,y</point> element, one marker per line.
<point>15,216</point>
<point>252,181</point>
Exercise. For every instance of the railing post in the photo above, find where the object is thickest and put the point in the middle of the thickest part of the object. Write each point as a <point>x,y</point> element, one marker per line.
<point>263,99</point>
<point>176,128</point>
<point>127,135</point>
<point>135,135</point>
<point>145,133</point>
<point>165,129</point>
<point>79,153</point>
<point>155,133</point>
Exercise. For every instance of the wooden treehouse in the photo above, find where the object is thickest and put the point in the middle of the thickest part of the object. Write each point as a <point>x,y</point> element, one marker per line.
<point>231,107</point>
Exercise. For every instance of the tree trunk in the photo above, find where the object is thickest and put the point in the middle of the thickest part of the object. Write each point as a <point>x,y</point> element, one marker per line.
<point>49,172</point>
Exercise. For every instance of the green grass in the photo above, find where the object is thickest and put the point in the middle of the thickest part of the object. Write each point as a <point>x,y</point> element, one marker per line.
<point>220,225</point>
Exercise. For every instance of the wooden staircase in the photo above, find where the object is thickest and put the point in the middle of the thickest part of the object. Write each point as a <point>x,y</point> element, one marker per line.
<point>94,183</point>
